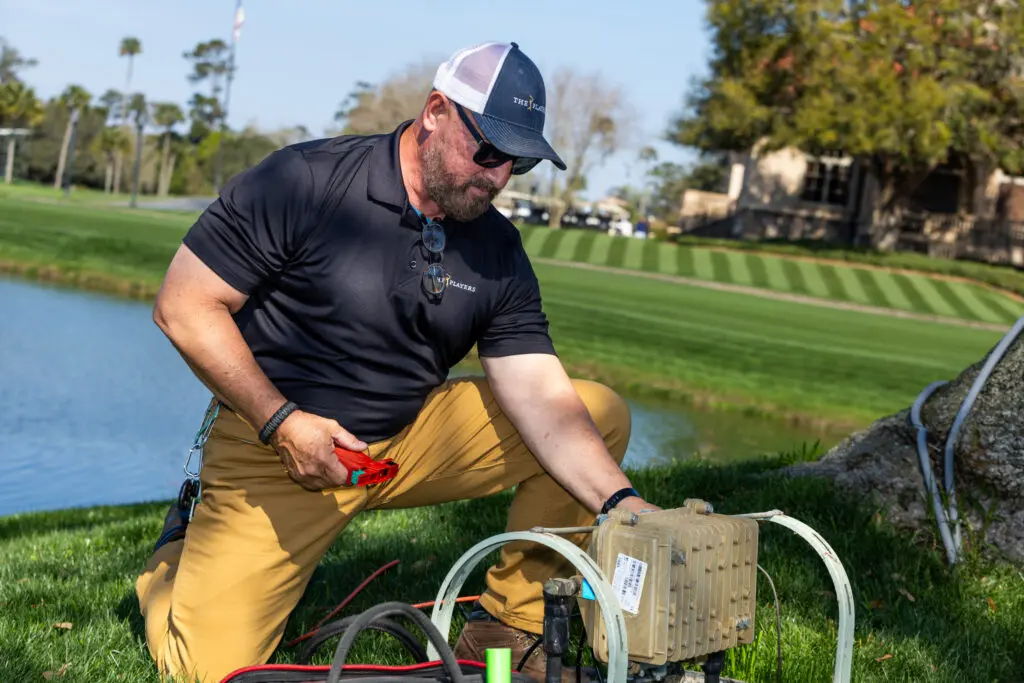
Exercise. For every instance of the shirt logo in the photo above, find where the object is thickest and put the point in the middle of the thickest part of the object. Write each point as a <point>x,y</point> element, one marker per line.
<point>528,103</point>
<point>452,282</point>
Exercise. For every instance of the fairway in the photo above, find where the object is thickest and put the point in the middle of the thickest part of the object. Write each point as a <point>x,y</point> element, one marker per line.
<point>640,335</point>
<point>915,293</point>
<point>792,358</point>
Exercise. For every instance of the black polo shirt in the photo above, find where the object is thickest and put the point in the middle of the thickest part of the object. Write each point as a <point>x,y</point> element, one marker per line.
<point>322,238</point>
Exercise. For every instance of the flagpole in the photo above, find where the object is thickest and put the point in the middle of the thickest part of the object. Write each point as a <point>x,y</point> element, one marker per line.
<point>227,96</point>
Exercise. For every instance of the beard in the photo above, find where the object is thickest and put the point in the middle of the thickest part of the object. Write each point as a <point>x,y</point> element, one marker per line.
<point>452,197</point>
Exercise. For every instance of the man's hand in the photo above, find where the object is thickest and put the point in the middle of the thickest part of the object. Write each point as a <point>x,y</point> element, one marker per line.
<point>637,506</point>
<point>306,443</point>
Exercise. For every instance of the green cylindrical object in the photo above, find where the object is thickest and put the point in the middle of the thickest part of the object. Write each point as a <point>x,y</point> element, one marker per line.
<point>499,665</point>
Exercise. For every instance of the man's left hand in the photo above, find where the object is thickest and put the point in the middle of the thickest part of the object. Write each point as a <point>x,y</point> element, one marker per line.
<point>637,505</point>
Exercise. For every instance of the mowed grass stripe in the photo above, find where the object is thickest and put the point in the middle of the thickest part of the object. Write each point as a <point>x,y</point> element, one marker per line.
<point>794,277</point>
<point>721,270</point>
<point>738,270</point>
<point>616,253</point>
<point>969,294</point>
<point>833,285</point>
<point>891,290</point>
<point>567,247</point>
<point>951,298</point>
<point>813,280</point>
<point>634,253</point>
<point>926,286</point>
<point>599,252</point>
<point>651,259</point>
<point>684,262</point>
<point>533,239</point>
<point>584,246</point>
<point>776,275</point>
<point>667,257</point>
<point>910,291</point>
<point>550,246</point>
<point>872,292</point>
<point>702,264</point>
<point>997,304</point>
<point>758,274</point>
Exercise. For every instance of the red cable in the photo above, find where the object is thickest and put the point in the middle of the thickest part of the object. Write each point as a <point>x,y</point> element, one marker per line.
<point>344,602</point>
<point>465,598</point>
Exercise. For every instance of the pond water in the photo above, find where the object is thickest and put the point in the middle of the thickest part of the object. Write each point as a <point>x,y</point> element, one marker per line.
<point>96,407</point>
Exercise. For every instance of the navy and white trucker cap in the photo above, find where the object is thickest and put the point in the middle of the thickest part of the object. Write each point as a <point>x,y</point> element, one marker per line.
<point>505,92</point>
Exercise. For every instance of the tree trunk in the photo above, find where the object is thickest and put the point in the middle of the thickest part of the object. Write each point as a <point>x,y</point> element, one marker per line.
<point>108,180</point>
<point>118,165</point>
<point>165,187</point>
<point>9,170</point>
<point>882,461</point>
<point>164,158</point>
<point>62,159</point>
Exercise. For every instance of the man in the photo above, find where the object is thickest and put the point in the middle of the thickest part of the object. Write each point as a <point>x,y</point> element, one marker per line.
<point>323,299</point>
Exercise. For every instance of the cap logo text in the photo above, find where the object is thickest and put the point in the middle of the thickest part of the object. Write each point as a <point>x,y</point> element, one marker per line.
<point>528,103</point>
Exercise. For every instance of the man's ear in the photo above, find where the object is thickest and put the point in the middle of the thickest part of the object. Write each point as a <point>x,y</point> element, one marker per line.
<point>436,108</point>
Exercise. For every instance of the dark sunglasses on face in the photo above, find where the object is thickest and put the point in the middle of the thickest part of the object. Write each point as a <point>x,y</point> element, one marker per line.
<point>489,156</point>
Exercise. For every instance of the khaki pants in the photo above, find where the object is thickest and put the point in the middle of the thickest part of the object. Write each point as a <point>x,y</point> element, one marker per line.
<point>219,599</point>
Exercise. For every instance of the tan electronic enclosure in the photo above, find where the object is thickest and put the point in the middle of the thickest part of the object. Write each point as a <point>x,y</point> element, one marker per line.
<point>686,579</point>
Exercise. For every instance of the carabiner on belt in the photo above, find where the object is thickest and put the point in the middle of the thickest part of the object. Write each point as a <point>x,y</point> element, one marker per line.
<point>191,490</point>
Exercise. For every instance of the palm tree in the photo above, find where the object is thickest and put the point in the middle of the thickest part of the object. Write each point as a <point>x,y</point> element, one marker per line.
<point>19,108</point>
<point>11,62</point>
<point>111,144</point>
<point>129,48</point>
<point>140,112</point>
<point>111,101</point>
<point>75,98</point>
<point>166,115</point>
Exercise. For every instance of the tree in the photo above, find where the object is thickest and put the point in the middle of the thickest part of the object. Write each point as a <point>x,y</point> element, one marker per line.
<point>587,120</point>
<point>901,87</point>
<point>166,115</point>
<point>112,143</point>
<point>130,47</point>
<point>74,99</point>
<point>210,62</point>
<point>882,463</point>
<point>19,108</point>
<point>139,111</point>
<point>370,109</point>
<point>11,62</point>
<point>668,181</point>
<point>113,101</point>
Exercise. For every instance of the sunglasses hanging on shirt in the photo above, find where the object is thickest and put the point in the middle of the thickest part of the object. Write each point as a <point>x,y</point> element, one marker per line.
<point>435,276</point>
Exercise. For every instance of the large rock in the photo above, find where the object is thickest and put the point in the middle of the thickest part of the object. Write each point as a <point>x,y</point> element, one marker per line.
<point>882,461</point>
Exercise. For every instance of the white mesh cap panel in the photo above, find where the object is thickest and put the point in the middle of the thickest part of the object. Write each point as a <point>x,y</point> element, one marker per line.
<point>469,75</point>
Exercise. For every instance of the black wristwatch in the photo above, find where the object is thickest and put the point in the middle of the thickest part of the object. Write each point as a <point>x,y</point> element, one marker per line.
<point>617,498</point>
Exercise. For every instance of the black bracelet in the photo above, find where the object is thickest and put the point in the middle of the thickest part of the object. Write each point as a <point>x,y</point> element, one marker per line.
<point>617,498</point>
<point>275,421</point>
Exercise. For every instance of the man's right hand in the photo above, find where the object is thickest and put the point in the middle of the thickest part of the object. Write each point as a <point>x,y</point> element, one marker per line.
<point>306,443</point>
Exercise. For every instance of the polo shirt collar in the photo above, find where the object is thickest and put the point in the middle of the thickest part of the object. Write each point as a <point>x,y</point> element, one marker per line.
<point>384,183</point>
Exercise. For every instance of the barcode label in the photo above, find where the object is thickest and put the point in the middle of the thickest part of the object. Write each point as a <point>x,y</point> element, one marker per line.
<point>628,581</point>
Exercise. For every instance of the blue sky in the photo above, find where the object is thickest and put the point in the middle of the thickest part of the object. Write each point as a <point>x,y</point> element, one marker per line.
<point>297,59</point>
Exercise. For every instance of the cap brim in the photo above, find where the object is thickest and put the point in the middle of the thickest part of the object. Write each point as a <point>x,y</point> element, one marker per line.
<point>518,141</point>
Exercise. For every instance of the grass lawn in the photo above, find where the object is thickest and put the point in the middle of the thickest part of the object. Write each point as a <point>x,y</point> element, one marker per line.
<point>914,621</point>
<point>917,292</point>
<point>765,356</point>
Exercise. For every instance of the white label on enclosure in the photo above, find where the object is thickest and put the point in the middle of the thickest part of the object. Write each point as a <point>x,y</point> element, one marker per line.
<point>628,581</point>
